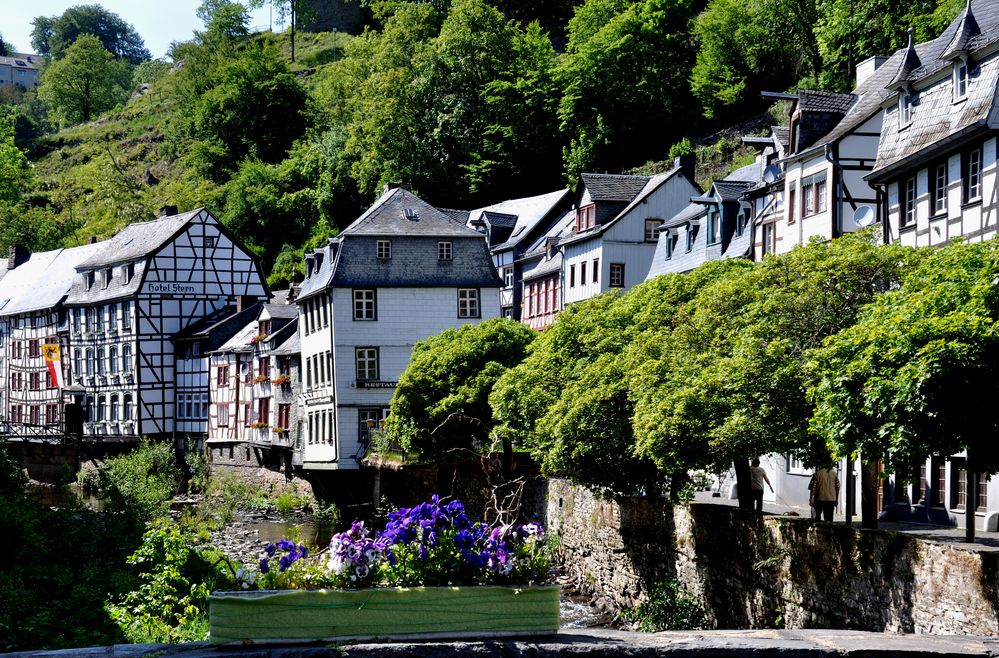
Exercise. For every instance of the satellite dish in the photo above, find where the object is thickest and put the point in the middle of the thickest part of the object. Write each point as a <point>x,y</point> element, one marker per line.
<point>770,174</point>
<point>863,216</point>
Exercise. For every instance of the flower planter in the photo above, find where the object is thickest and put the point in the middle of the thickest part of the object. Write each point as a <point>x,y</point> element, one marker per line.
<point>386,613</point>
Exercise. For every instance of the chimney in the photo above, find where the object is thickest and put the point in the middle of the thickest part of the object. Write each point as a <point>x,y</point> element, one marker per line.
<point>388,187</point>
<point>867,67</point>
<point>92,240</point>
<point>687,164</point>
<point>243,302</point>
<point>167,211</point>
<point>18,254</point>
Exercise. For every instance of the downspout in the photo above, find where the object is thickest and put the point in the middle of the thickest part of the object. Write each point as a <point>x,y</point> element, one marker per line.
<point>837,206</point>
<point>883,210</point>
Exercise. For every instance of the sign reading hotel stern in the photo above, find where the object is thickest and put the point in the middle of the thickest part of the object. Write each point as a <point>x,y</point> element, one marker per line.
<point>172,288</point>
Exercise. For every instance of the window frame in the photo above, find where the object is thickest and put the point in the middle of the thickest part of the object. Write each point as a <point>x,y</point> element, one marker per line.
<point>586,217</point>
<point>907,209</point>
<point>596,270</point>
<point>370,357</point>
<point>938,188</point>
<point>971,170</point>
<point>655,225</point>
<point>960,81</point>
<point>368,310</point>
<point>904,109</point>
<point>383,249</point>
<point>618,270</point>
<point>469,303</point>
<point>445,250</point>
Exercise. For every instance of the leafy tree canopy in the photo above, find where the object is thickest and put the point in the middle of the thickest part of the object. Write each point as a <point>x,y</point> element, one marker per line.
<point>224,17</point>
<point>53,35</point>
<point>85,82</point>
<point>441,405</point>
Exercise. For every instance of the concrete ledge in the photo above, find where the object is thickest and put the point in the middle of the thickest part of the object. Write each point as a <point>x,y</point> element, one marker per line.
<point>586,643</point>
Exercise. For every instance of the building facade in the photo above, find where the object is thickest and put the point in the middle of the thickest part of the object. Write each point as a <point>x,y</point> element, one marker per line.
<point>402,272</point>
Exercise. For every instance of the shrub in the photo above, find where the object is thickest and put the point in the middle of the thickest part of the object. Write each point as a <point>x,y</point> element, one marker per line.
<point>669,607</point>
<point>141,483</point>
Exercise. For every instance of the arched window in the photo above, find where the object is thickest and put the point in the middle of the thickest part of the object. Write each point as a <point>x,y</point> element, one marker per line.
<point>126,358</point>
<point>100,361</point>
<point>88,409</point>
<point>115,410</point>
<point>102,408</point>
<point>113,359</point>
<point>91,366</point>
<point>128,407</point>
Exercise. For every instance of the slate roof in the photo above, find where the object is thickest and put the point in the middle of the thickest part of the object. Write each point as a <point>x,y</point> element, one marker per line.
<point>548,266</point>
<point>529,212</point>
<point>613,187</point>
<point>138,240</point>
<point>460,216</point>
<point>414,228</point>
<point>240,341</point>
<point>909,66</point>
<point>43,281</point>
<point>967,29</point>
<point>810,100</point>
<point>216,329</point>
<point>292,345</point>
<point>936,119</point>
<point>691,212</point>
<point>782,134</point>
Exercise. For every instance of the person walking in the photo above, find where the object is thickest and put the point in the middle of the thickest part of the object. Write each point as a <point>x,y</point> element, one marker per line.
<point>825,490</point>
<point>757,477</point>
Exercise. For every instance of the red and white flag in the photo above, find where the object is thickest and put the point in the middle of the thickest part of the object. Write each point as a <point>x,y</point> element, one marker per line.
<point>53,361</point>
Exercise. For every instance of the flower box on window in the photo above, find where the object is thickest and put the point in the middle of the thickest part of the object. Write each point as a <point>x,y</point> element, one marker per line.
<point>259,425</point>
<point>280,380</point>
<point>260,379</point>
<point>259,338</point>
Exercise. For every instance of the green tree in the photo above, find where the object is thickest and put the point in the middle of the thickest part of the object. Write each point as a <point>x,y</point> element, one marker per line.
<point>14,169</point>
<point>293,11</point>
<point>225,18</point>
<point>915,376</point>
<point>624,79</point>
<point>149,72</point>
<point>54,35</point>
<point>441,405</point>
<point>84,83</point>
<point>252,107</point>
<point>749,46</point>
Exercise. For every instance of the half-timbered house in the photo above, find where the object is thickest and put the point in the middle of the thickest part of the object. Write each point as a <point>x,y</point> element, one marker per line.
<point>130,298</point>
<point>401,272</point>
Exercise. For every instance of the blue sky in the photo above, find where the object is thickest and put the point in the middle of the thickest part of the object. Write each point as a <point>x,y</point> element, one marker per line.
<point>158,22</point>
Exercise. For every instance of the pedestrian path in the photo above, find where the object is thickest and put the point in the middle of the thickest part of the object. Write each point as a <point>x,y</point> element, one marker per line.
<point>947,534</point>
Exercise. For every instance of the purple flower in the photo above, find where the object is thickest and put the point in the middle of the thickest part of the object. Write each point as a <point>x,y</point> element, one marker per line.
<point>264,567</point>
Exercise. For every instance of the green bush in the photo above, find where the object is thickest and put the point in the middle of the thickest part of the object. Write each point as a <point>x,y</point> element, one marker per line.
<point>141,483</point>
<point>198,471</point>
<point>669,607</point>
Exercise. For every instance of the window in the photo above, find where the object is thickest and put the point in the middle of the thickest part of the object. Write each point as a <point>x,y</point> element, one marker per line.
<point>77,363</point>
<point>468,302</point>
<point>508,277</point>
<point>973,176</point>
<point>74,314</point>
<point>939,188</point>
<point>582,273</point>
<point>586,217</point>
<point>714,226</point>
<point>88,280</point>
<point>100,361</point>
<point>807,200</point>
<point>909,203</point>
<point>324,306</point>
<point>791,200</point>
<point>284,416</point>
<point>128,272</point>
<point>33,348</point>
<point>264,327</point>
<point>264,366</point>
<point>652,229</point>
<point>813,195</point>
<point>364,305</point>
<point>51,414</point>
<point>209,241</point>
<point>596,270</point>
<point>367,363</point>
<point>368,420</point>
<point>126,316</point>
<point>769,235</point>
<point>691,234</point>
<point>904,109</point>
<point>223,415</point>
<point>264,410</point>
<point>572,276</point>
<point>34,380</point>
<point>49,381</point>
<point>617,275</point>
<point>383,249</point>
<point>116,409</point>
<point>112,359</point>
<point>960,80</point>
<point>127,407</point>
<point>444,250</point>
<point>91,362</point>
<point>102,408</point>
<point>16,349</point>
<point>35,415</point>
<point>126,359</point>
<point>222,376</point>
<point>247,414</point>
<point>820,195</point>
<point>106,276</point>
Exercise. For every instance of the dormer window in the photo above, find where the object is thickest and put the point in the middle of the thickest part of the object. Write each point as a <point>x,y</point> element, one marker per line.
<point>960,80</point>
<point>128,272</point>
<point>904,109</point>
<point>586,217</point>
<point>88,280</point>
<point>383,249</point>
<point>106,276</point>
<point>714,226</point>
<point>691,233</point>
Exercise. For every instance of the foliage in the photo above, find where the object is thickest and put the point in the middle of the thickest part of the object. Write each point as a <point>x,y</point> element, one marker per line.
<point>225,18</point>
<point>624,81</point>
<point>139,484</point>
<point>441,404</point>
<point>669,607</point>
<point>171,602</point>
<point>198,471</point>
<point>14,169</point>
<point>54,35</point>
<point>431,544</point>
<point>84,83</point>
<point>149,72</point>
<point>913,377</point>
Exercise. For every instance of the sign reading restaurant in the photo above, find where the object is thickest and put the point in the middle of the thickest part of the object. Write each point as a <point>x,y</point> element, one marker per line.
<point>172,288</point>
<point>375,384</point>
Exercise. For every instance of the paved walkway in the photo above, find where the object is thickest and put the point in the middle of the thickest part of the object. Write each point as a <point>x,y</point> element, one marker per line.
<point>988,541</point>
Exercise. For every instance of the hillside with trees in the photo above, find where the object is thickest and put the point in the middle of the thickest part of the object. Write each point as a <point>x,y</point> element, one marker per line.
<point>468,101</point>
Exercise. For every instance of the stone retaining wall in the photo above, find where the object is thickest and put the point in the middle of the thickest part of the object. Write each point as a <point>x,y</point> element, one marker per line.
<point>754,571</point>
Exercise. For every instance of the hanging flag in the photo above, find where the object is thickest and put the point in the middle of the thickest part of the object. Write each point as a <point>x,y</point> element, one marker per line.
<point>54,363</point>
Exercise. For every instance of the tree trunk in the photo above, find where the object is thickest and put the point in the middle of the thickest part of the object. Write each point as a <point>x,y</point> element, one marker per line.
<point>869,483</point>
<point>293,31</point>
<point>743,483</point>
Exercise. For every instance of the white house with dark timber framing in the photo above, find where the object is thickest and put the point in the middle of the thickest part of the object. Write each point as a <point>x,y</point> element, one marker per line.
<point>403,271</point>
<point>130,298</point>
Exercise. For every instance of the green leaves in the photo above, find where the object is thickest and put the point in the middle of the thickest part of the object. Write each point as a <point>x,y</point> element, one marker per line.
<point>85,82</point>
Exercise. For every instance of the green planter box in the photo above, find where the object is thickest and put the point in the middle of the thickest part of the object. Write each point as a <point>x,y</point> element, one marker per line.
<point>389,613</point>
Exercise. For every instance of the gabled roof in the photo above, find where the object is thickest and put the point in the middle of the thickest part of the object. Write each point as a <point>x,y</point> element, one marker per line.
<point>967,30</point>
<point>688,214</point>
<point>217,328</point>
<point>240,341</point>
<point>810,100</point>
<point>908,67</point>
<point>613,187</point>
<point>43,281</point>
<point>400,212</point>
<point>529,212</point>
<point>138,239</point>
<point>292,344</point>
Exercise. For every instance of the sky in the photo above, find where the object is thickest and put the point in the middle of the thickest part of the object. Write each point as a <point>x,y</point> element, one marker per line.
<point>158,22</point>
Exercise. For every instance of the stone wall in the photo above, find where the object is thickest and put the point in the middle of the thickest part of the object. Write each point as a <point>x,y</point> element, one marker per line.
<point>755,571</point>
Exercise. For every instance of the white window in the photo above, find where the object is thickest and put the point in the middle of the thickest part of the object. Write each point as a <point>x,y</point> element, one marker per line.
<point>508,277</point>
<point>112,359</point>
<point>115,408</point>
<point>126,359</point>
<point>367,363</point>
<point>940,188</point>
<point>223,415</point>
<point>617,275</point>
<point>126,317</point>
<point>444,250</point>
<point>100,361</point>
<point>383,249</point>
<point>652,229</point>
<point>960,80</point>
<point>468,302</point>
<point>904,109</point>
<point>106,275</point>
<point>368,421</point>
<point>127,407</point>
<point>973,176</point>
<point>909,203</point>
<point>364,305</point>
<point>714,226</point>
